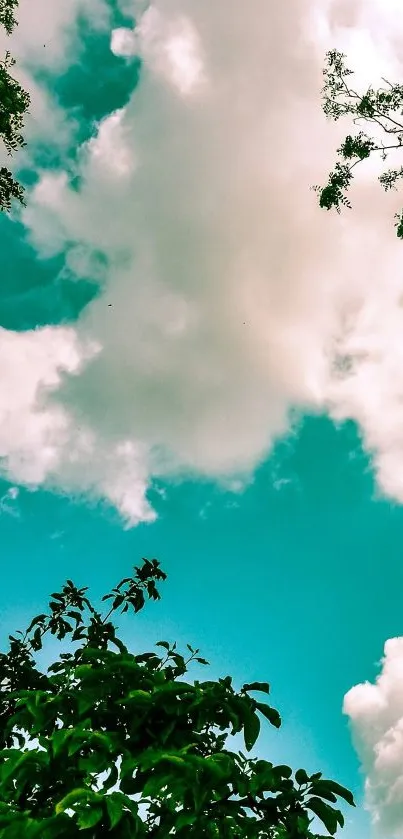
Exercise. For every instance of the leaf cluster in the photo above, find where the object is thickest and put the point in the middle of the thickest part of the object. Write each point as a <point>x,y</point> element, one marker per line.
<point>14,103</point>
<point>383,108</point>
<point>7,17</point>
<point>107,742</point>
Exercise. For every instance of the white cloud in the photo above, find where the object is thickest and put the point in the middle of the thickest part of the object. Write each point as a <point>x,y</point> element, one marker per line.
<point>376,716</point>
<point>40,441</point>
<point>228,292</point>
<point>124,42</point>
<point>109,151</point>
<point>8,504</point>
<point>170,45</point>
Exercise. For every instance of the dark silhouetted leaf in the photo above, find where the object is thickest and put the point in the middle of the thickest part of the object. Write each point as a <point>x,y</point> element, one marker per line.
<point>325,813</point>
<point>301,777</point>
<point>251,730</point>
<point>270,713</point>
<point>261,686</point>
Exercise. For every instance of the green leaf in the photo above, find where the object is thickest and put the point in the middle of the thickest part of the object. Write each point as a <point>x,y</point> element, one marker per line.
<point>101,740</point>
<point>301,777</point>
<point>340,818</point>
<point>152,788</point>
<point>60,738</point>
<point>220,764</point>
<point>199,795</point>
<point>283,770</point>
<point>129,785</point>
<point>85,702</point>
<point>322,789</point>
<point>73,797</point>
<point>75,615</point>
<point>264,778</point>
<point>145,657</point>
<point>337,789</point>
<point>89,817</point>
<point>163,644</point>
<point>262,686</point>
<point>176,759</point>
<point>270,713</point>
<point>118,601</point>
<point>251,730</point>
<point>83,670</point>
<point>112,778</point>
<point>185,819</point>
<point>34,621</point>
<point>31,758</point>
<point>325,813</point>
<point>114,806</point>
<point>140,696</point>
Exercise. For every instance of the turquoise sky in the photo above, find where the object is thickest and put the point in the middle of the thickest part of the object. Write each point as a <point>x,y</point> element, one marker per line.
<point>296,579</point>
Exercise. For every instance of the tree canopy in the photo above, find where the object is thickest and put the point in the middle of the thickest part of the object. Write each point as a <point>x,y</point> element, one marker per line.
<point>14,103</point>
<point>382,107</point>
<point>107,742</point>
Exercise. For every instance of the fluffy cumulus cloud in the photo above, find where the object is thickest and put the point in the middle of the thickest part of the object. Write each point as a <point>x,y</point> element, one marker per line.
<point>376,716</point>
<point>38,439</point>
<point>230,297</point>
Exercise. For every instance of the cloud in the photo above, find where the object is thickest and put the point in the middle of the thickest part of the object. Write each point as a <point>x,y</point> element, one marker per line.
<point>8,504</point>
<point>46,35</point>
<point>376,717</point>
<point>39,441</point>
<point>124,42</point>
<point>230,297</point>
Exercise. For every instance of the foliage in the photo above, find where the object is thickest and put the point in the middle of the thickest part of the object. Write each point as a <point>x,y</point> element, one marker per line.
<point>382,107</point>
<point>7,17</point>
<point>111,743</point>
<point>14,102</point>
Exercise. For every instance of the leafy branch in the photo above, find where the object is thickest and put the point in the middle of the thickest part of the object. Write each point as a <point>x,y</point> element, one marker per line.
<point>14,103</point>
<point>382,107</point>
<point>104,730</point>
<point>7,17</point>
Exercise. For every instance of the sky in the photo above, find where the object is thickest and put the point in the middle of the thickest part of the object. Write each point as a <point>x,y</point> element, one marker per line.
<point>174,308</point>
